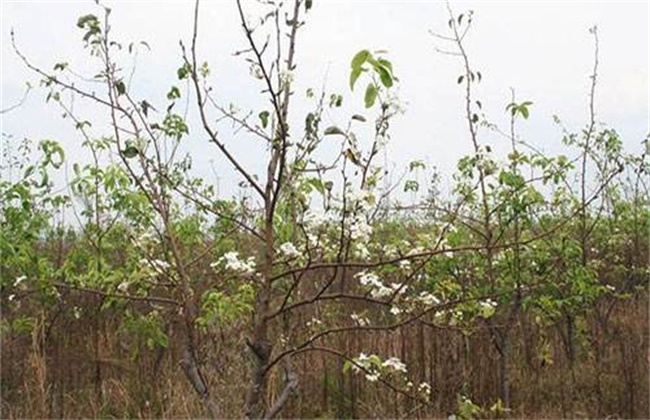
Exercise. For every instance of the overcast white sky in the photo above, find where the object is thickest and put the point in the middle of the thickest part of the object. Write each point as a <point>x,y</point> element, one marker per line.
<point>541,49</point>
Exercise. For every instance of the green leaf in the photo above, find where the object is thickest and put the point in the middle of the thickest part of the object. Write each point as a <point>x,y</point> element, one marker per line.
<point>416,164</point>
<point>411,185</point>
<point>460,79</point>
<point>354,75</point>
<point>524,111</point>
<point>358,117</point>
<point>371,95</point>
<point>360,58</point>
<point>385,76</point>
<point>386,64</point>
<point>146,106</point>
<point>347,365</point>
<point>174,93</point>
<point>81,22</point>
<point>349,154</point>
<point>60,66</point>
<point>317,184</point>
<point>332,130</point>
<point>183,71</point>
<point>130,152</point>
<point>308,4</point>
<point>120,87</point>
<point>336,100</point>
<point>264,117</point>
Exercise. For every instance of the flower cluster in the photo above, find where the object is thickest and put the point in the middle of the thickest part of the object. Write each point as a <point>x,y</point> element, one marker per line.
<point>378,288</point>
<point>314,223</point>
<point>428,299</point>
<point>415,251</point>
<point>286,78</point>
<point>395,364</point>
<point>155,266</point>
<point>487,308</point>
<point>359,228</point>
<point>373,366</point>
<point>314,220</point>
<point>488,303</point>
<point>232,262</point>
<point>359,205</point>
<point>362,200</point>
<point>370,364</point>
<point>145,240</point>
<point>361,250</point>
<point>425,389</point>
<point>289,250</point>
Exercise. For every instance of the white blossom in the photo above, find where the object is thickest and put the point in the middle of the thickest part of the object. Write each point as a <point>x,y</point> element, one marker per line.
<point>424,388</point>
<point>395,310</point>
<point>362,251</point>
<point>367,278</point>
<point>232,262</point>
<point>415,251</point>
<point>373,376</point>
<point>362,358</point>
<point>428,299</point>
<point>381,291</point>
<point>398,288</point>
<point>395,364</point>
<point>488,303</point>
<point>286,78</point>
<point>366,363</point>
<point>158,266</point>
<point>289,250</point>
<point>312,239</point>
<point>390,251</point>
<point>19,280</point>
<point>144,240</point>
<point>313,220</point>
<point>363,199</point>
<point>359,228</point>
<point>123,287</point>
<point>256,71</point>
<point>378,289</point>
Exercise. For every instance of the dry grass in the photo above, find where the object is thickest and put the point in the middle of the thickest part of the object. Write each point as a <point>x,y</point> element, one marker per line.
<point>54,372</point>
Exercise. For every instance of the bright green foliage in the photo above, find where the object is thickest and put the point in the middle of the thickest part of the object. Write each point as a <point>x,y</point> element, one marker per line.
<point>365,61</point>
